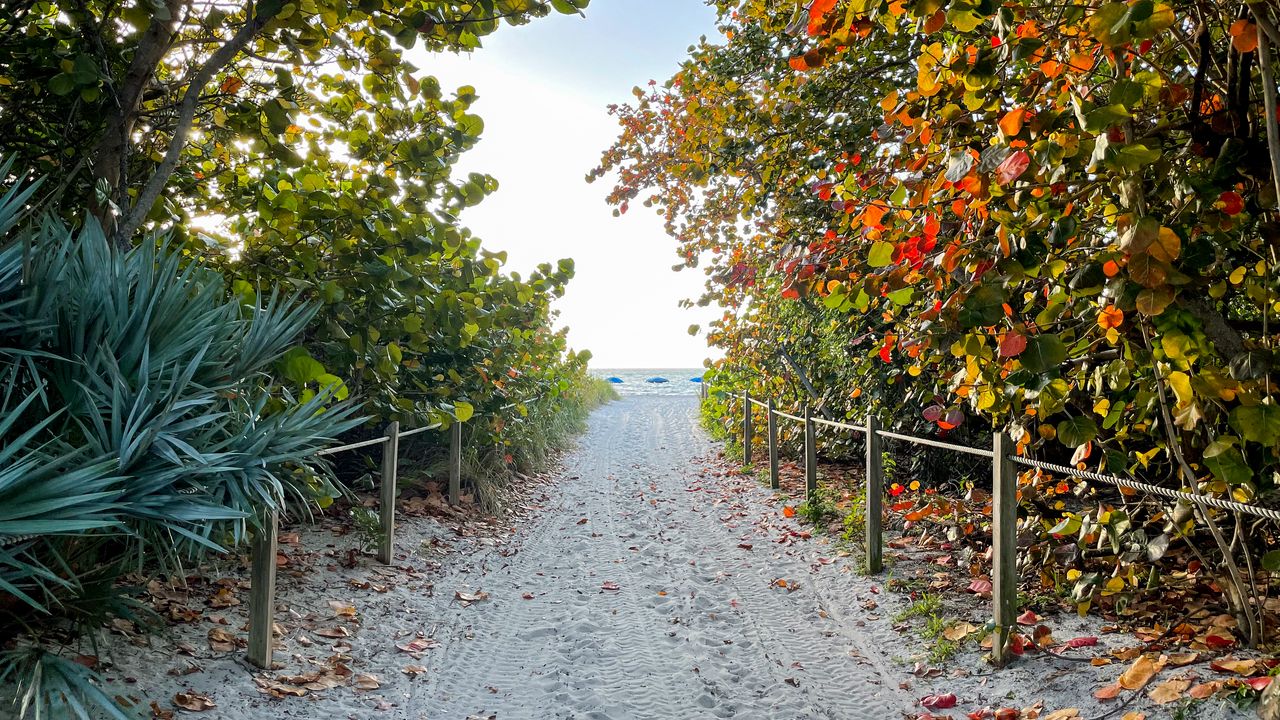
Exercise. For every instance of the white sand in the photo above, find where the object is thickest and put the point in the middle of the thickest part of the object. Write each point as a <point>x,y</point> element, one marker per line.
<point>697,626</point>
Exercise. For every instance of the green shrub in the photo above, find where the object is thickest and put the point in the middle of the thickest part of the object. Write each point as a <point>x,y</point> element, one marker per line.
<point>139,419</point>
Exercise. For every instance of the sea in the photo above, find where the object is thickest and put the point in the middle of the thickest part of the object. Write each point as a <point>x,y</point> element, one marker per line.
<point>635,380</point>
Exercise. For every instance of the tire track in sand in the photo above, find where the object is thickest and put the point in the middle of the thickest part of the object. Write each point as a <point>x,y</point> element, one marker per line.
<point>695,630</point>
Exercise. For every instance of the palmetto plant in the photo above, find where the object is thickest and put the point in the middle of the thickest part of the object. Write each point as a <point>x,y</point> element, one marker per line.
<point>140,426</point>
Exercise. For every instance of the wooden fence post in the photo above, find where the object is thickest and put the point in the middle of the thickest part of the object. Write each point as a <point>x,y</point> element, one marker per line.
<point>810,457</point>
<point>262,591</point>
<point>875,496</point>
<point>773,448</point>
<point>387,504</point>
<point>455,463</point>
<point>1004,544</point>
<point>746,427</point>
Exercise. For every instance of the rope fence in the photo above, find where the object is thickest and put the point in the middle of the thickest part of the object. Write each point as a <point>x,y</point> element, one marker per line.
<point>1219,503</point>
<point>264,545</point>
<point>1004,474</point>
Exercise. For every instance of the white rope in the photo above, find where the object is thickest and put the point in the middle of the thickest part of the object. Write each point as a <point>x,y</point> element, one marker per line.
<point>842,426</point>
<point>936,443</point>
<point>352,446</point>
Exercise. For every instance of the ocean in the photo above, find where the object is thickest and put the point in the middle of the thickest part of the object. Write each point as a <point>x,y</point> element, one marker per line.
<point>634,380</point>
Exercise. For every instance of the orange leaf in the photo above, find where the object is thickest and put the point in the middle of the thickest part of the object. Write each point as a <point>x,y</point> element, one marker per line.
<point>1205,689</point>
<point>1140,672</point>
<point>1107,693</point>
<point>788,511</point>
<point>1110,317</point>
<point>1011,123</point>
<point>935,22</point>
<point>1244,36</point>
<point>817,12</point>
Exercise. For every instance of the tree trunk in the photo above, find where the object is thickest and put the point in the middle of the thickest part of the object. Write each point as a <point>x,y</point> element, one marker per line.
<point>111,154</point>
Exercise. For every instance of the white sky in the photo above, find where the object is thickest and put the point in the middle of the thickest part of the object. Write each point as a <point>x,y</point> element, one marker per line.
<point>543,90</point>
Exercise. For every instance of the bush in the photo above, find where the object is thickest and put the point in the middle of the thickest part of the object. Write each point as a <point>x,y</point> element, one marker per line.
<point>139,419</point>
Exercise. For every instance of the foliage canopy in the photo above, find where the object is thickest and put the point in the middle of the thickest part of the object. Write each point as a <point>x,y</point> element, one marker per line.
<point>1055,219</point>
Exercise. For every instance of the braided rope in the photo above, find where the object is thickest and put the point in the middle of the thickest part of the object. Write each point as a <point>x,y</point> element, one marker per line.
<point>1154,489</point>
<point>16,539</point>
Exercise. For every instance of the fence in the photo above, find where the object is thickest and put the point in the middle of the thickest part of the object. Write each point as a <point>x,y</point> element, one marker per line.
<point>262,576</point>
<point>1004,474</point>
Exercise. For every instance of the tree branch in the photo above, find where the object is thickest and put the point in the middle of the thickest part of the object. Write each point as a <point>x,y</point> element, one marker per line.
<point>156,183</point>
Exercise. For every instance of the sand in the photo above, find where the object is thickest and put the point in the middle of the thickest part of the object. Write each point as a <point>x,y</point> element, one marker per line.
<point>646,584</point>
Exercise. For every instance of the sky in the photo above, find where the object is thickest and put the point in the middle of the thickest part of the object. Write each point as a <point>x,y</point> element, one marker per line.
<point>543,93</point>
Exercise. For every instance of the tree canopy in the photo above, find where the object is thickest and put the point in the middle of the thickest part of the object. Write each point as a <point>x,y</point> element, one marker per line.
<point>1052,219</point>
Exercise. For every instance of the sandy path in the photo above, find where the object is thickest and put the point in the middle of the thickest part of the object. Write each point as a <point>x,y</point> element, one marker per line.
<point>643,584</point>
<point>696,627</point>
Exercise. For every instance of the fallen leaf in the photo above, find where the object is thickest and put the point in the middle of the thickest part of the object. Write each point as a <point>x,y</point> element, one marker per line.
<point>413,670</point>
<point>788,511</point>
<point>1141,672</point>
<point>1080,642</point>
<point>1218,641</point>
<point>159,713</point>
<point>342,609</point>
<point>1107,693</point>
<point>959,631</point>
<point>1239,667</point>
<point>365,681</point>
<point>1180,659</point>
<point>224,598</point>
<point>610,585</point>
<point>1063,714</point>
<point>468,598</point>
<point>1169,690</point>
<point>333,632</point>
<point>1134,715</point>
<point>1205,689</point>
<point>980,587</point>
<point>1028,618</point>
<point>417,646</point>
<point>194,702</point>
<point>278,689</point>
<point>1259,683</point>
<point>939,702</point>
<point>222,641</point>
<point>527,596</point>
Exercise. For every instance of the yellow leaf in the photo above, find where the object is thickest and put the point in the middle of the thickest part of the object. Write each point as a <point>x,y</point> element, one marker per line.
<point>1167,246</point>
<point>1181,384</point>
<point>959,631</point>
